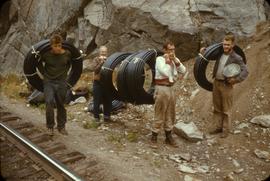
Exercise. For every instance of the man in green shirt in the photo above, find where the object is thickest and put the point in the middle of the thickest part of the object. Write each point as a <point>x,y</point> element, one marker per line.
<point>54,66</point>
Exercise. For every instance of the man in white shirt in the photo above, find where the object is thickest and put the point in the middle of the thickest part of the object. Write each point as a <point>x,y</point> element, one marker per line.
<point>166,74</point>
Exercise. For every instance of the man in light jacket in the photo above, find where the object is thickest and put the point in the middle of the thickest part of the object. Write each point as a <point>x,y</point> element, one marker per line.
<point>223,86</point>
<point>167,69</point>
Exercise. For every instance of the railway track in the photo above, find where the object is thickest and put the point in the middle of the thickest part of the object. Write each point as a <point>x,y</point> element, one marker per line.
<point>29,154</point>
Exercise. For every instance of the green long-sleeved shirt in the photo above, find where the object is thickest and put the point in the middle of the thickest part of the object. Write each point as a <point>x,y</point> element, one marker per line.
<point>55,66</point>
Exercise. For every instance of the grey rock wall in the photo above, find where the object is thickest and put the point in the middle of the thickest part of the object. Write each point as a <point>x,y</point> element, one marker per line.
<point>122,25</point>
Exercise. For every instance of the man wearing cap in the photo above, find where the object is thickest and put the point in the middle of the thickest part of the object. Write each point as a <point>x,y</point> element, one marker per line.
<point>167,68</point>
<point>223,85</point>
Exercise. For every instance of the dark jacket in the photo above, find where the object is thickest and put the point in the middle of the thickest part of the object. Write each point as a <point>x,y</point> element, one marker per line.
<point>234,58</point>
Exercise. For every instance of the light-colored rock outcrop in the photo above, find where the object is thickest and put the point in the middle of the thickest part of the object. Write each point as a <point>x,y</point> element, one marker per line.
<point>123,25</point>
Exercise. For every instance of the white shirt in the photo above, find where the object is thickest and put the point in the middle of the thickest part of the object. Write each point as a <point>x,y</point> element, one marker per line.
<point>221,65</point>
<point>169,71</point>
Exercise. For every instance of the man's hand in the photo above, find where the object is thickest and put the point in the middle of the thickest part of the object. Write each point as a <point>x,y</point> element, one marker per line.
<point>102,58</point>
<point>172,56</point>
<point>202,50</point>
<point>232,80</point>
<point>167,59</point>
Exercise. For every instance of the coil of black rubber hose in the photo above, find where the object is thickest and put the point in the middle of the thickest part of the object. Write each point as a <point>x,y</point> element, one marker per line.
<point>216,50</point>
<point>197,62</point>
<point>90,107</point>
<point>32,58</point>
<point>116,107</point>
<point>212,52</point>
<point>107,69</point>
<point>201,65</point>
<point>121,81</point>
<point>135,75</point>
<point>30,64</point>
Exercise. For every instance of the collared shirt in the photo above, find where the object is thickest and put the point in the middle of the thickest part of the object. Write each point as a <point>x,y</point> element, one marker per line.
<point>168,71</point>
<point>221,65</point>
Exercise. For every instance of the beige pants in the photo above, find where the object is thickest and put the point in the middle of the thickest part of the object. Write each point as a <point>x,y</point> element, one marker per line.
<point>164,108</point>
<point>222,100</point>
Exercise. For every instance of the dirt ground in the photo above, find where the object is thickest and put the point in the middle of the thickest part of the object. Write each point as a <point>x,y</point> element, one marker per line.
<point>124,148</point>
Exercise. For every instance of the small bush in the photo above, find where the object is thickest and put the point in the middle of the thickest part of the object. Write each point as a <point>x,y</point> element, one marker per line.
<point>90,124</point>
<point>115,138</point>
<point>132,137</point>
<point>11,85</point>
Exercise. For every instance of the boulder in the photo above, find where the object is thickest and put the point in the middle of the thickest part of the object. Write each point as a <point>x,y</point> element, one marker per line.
<point>262,154</point>
<point>188,131</point>
<point>263,120</point>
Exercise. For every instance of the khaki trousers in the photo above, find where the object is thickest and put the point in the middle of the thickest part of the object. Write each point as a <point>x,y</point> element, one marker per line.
<point>165,102</point>
<point>222,101</point>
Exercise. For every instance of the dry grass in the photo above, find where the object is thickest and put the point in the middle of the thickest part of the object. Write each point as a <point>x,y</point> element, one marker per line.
<point>90,124</point>
<point>11,85</point>
<point>85,82</point>
<point>116,137</point>
<point>132,137</point>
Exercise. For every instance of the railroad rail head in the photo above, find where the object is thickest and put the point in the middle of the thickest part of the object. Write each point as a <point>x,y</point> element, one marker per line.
<point>52,166</point>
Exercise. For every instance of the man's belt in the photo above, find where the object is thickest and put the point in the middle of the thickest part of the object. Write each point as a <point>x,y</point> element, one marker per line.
<point>163,83</point>
<point>225,81</point>
<point>220,80</point>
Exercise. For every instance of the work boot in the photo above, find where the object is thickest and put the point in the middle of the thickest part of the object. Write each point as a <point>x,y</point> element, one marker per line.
<point>50,131</point>
<point>154,137</point>
<point>63,131</point>
<point>169,139</point>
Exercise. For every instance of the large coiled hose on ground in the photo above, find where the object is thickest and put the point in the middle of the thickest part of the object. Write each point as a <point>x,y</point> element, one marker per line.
<point>34,55</point>
<point>106,73</point>
<point>212,52</point>
<point>116,107</point>
<point>121,80</point>
<point>135,77</point>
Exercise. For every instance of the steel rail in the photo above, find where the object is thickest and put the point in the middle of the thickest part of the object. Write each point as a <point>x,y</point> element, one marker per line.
<point>53,167</point>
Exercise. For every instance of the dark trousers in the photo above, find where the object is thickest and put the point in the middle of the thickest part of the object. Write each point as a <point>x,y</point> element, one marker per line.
<point>55,94</point>
<point>101,96</point>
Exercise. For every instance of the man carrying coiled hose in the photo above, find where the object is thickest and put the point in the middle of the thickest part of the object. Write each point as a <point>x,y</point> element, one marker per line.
<point>223,85</point>
<point>166,74</point>
<point>54,66</point>
<point>100,94</point>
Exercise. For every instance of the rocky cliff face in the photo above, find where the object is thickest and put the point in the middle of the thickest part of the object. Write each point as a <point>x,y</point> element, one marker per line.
<point>122,25</point>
